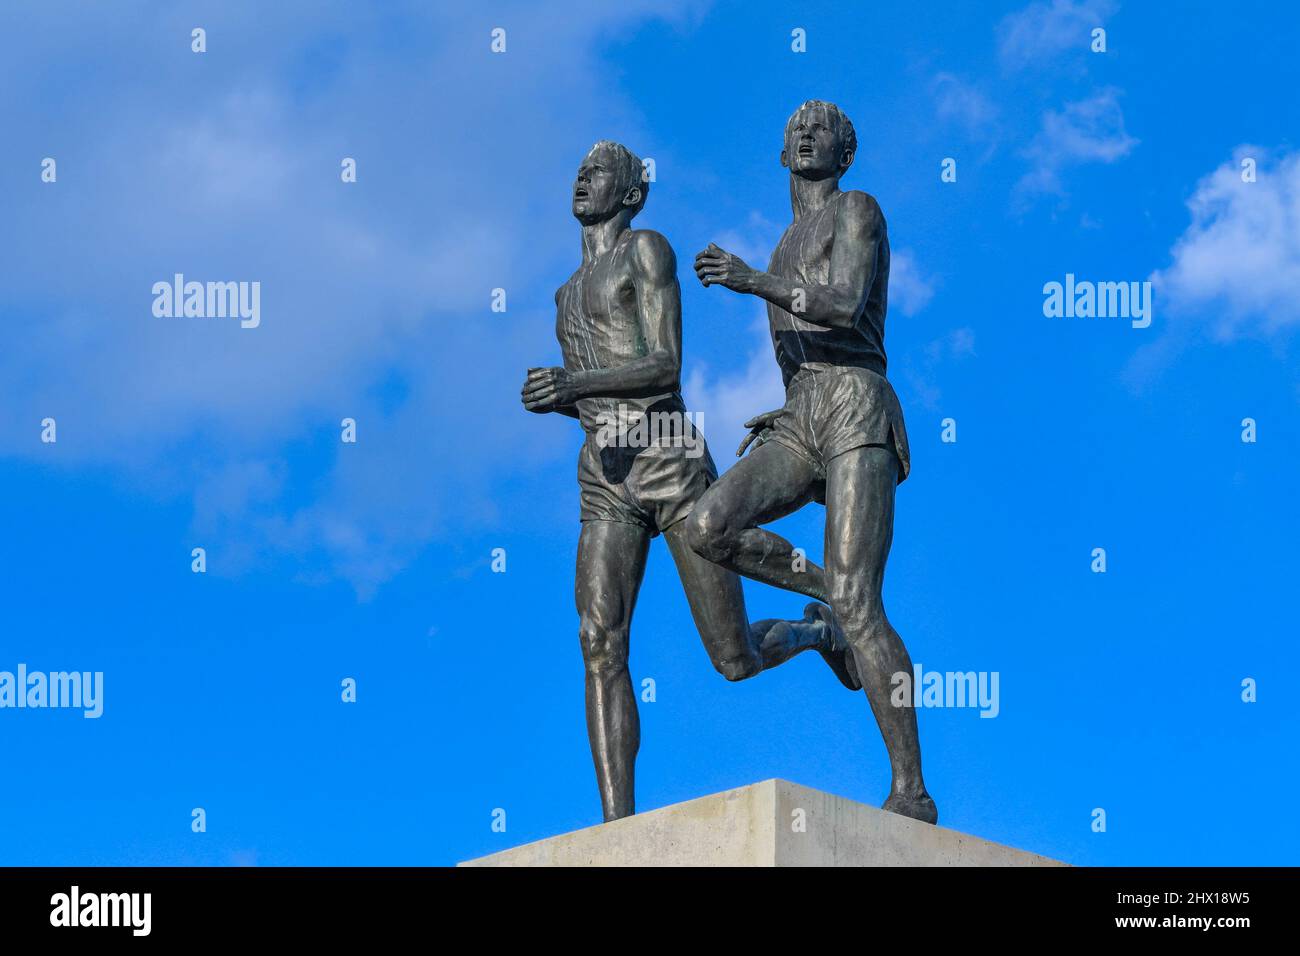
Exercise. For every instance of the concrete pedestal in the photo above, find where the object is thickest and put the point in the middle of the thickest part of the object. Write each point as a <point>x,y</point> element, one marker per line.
<point>773,823</point>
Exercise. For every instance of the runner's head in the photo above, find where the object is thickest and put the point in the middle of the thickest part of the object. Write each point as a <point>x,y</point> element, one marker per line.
<point>610,179</point>
<point>819,141</point>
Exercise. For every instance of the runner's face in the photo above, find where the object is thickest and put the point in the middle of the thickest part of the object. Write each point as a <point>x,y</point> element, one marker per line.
<point>596,192</point>
<point>812,149</point>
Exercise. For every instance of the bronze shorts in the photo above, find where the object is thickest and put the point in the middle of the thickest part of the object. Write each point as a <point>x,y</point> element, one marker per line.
<point>653,487</point>
<point>831,409</point>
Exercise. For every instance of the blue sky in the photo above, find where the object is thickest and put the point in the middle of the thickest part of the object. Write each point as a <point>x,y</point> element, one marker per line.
<point>1119,691</point>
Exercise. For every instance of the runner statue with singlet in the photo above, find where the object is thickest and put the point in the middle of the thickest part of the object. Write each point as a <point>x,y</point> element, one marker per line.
<point>840,438</point>
<point>618,320</point>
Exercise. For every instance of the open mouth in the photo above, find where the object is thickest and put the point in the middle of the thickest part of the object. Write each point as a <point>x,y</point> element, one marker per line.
<point>580,193</point>
<point>806,149</point>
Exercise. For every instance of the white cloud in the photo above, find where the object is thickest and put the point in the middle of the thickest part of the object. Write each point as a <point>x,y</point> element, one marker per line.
<point>1235,270</point>
<point>1239,259</point>
<point>1041,31</point>
<point>374,295</point>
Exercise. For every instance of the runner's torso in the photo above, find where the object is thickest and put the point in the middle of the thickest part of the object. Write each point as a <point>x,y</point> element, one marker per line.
<point>597,325</point>
<point>804,255</point>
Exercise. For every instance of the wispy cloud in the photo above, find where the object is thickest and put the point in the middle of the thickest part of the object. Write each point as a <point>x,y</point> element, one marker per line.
<point>1042,31</point>
<point>909,290</point>
<point>922,369</point>
<point>1085,131</point>
<point>754,241</point>
<point>960,102</point>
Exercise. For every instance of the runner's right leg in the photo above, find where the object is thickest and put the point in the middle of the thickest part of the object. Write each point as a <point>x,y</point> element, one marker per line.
<point>611,563</point>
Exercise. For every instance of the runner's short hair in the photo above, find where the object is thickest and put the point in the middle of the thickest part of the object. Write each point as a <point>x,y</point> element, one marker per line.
<point>840,123</point>
<point>630,169</point>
